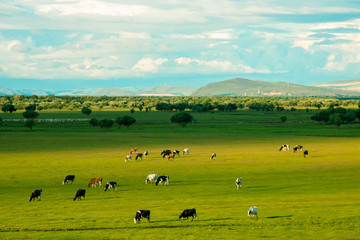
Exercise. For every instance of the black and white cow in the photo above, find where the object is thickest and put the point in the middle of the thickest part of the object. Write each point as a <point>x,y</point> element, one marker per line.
<point>128,158</point>
<point>176,152</point>
<point>213,156</point>
<point>188,213</point>
<point>139,155</point>
<point>162,179</point>
<point>69,178</point>
<point>110,185</point>
<point>284,147</point>
<point>146,153</point>
<point>306,153</point>
<point>80,193</point>
<point>150,178</point>
<point>298,147</point>
<point>252,212</point>
<point>142,214</point>
<point>238,182</point>
<point>35,194</point>
<point>186,150</point>
<point>165,153</point>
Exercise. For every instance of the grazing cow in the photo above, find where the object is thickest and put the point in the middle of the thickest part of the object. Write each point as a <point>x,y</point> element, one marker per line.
<point>69,178</point>
<point>162,179</point>
<point>110,185</point>
<point>297,147</point>
<point>284,147</point>
<point>213,156</point>
<point>252,212</point>
<point>171,155</point>
<point>186,150</point>
<point>146,153</point>
<point>94,181</point>
<point>188,213</point>
<point>35,194</point>
<point>176,152</point>
<point>128,158</point>
<point>238,182</point>
<point>306,153</point>
<point>139,155</point>
<point>133,150</point>
<point>150,178</point>
<point>165,153</point>
<point>80,193</point>
<point>142,214</point>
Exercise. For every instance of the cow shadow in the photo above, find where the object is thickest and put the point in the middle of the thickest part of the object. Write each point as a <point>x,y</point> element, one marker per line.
<point>285,216</point>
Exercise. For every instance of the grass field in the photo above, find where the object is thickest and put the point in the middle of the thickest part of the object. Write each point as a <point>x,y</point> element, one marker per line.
<point>297,198</point>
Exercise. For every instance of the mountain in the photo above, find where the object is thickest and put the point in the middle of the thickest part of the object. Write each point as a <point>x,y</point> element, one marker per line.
<point>7,91</point>
<point>166,90</point>
<point>350,85</point>
<point>246,87</point>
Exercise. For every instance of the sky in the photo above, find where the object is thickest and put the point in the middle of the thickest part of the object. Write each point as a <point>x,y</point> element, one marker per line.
<point>66,44</point>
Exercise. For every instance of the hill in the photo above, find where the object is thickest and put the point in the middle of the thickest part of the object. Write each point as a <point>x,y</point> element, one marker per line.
<point>166,90</point>
<point>349,85</point>
<point>246,87</point>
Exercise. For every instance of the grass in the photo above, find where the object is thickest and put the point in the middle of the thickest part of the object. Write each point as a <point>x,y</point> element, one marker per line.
<point>297,198</point>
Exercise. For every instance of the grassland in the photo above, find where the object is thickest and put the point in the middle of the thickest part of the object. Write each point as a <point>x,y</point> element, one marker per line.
<point>297,198</point>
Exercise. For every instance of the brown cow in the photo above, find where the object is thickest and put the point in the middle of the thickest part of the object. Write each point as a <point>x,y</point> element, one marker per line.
<point>171,155</point>
<point>134,150</point>
<point>94,181</point>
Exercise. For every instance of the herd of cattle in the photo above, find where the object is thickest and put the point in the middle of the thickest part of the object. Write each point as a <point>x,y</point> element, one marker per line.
<point>252,212</point>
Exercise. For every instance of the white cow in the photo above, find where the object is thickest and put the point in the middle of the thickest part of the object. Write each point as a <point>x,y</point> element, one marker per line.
<point>186,150</point>
<point>213,156</point>
<point>252,212</point>
<point>238,182</point>
<point>150,178</point>
<point>128,158</point>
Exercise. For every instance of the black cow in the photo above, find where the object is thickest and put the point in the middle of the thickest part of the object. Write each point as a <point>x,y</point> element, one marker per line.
<point>35,194</point>
<point>162,179</point>
<point>139,155</point>
<point>306,153</point>
<point>80,193</point>
<point>188,213</point>
<point>142,214</point>
<point>110,185</point>
<point>165,153</point>
<point>69,178</point>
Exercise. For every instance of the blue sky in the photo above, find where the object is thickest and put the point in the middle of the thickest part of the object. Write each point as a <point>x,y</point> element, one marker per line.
<point>64,44</point>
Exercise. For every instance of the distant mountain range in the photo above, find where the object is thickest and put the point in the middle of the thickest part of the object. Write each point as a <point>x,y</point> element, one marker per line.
<point>232,87</point>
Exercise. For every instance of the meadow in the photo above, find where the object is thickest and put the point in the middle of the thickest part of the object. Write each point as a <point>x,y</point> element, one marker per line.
<point>297,198</point>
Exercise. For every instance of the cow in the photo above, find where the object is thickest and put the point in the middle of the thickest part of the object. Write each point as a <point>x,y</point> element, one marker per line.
<point>213,156</point>
<point>110,185</point>
<point>252,212</point>
<point>128,158</point>
<point>171,155</point>
<point>186,150</point>
<point>165,153</point>
<point>80,193</point>
<point>139,155</point>
<point>150,178</point>
<point>188,213</point>
<point>35,194</point>
<point>297,147</point>
<point>146,153</point>
<point>306,153</point>
<point>176,152</point>
<point>284,147</point>
<point>238,182</point>
<point>69,178</point>
<point>161,179</point>
<point>142,214</point>
<point>94,181</point>
<point>133,150</point>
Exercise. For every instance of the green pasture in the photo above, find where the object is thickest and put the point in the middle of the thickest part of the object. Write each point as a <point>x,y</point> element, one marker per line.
<point>297,198</point>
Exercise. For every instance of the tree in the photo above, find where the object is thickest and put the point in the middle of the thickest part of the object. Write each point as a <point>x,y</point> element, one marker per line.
<point>31,107</point>
<point>140,108</point>
<point>106,123</point>
<point>283,119</point>
<point>182,118</point>
<point>94,122</point>
<point>132,110</point>
<point>127,121</point>
<point>30,114</point>
<point>29,123</point>
<point>86,111</point>
<point>1,122</point>
<point>8,108</point>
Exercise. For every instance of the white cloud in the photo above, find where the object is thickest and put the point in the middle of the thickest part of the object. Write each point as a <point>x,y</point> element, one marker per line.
<point>219,34</point>
<point>149,65</point>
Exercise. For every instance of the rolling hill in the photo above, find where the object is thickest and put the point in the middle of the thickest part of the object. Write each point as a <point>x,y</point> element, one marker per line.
<point>349,85</point>
<point>246,87</point>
